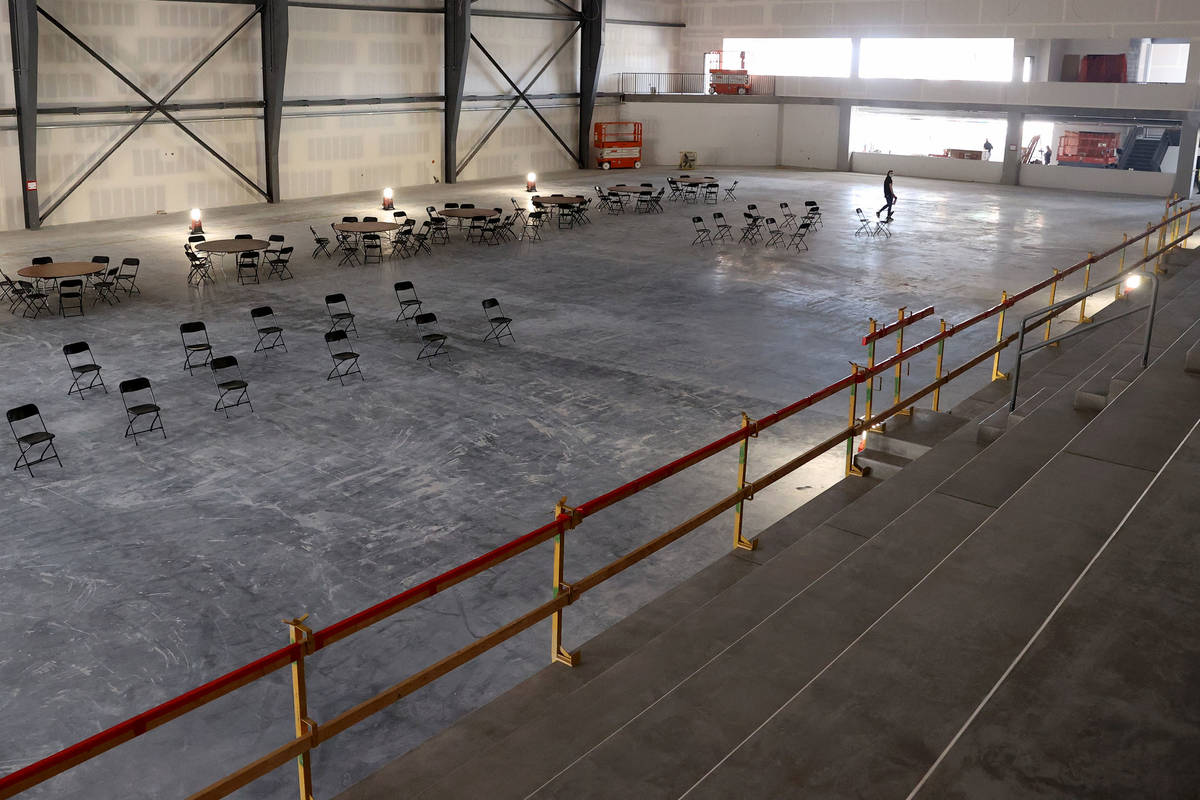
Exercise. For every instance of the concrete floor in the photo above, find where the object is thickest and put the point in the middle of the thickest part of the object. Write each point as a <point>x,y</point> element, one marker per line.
<point>134,574</point>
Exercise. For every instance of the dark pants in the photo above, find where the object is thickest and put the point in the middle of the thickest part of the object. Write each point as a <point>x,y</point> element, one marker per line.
<point>888,205</point>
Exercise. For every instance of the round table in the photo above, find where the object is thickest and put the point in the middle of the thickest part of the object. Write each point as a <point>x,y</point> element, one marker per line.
<point>62,269</point>
<point>468,213</point>
<point>365,227</point>
<point>623,189</point>
<point>558,200</point>
<point>695,181</point>
<point>231,245</point>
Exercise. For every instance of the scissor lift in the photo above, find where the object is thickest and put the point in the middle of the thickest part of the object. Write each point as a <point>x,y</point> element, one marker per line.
<point>618,144</point>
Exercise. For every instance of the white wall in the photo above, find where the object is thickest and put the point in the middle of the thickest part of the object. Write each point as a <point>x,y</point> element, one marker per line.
<point>810,136</point>
<point>950,169</point>
<point>720,133</point>
<point>1155,184</point>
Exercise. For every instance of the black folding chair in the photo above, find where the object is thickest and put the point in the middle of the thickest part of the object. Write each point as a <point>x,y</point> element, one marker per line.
<point>349,219</point>
<point>601,198</point>
<point>82,365</point>
<point>729,191</point>
<point>33,437</point>
<point>127,276</point>
<point>774,233</point>
<point>724,229</point>
<point>243,236</point>
<point>656,201</point>
<point>703,234</point>
<point>274,245</point>
<point>866,225</point>
<point>406,296</point>
<point>372,248</point>
<point>195,345</point>
<point>402,238</point>
<point>106,287</point>
<point>501,325</point>
<point>433,343</point>
<point>347,244</point>
<point>789,218</point>
<point>321,244</point>
<point>616,203</point>
<point>420,240</point>
<point>345,361</point>
<point>813,212</point>
<point>342,317</point>
<point>676,190</point>
<point>7,287</point>
<point>247,267</point>
<point>230,383</point>
<point>70,297</point>
<point>518,210</point>
<point>138,397</point>
<point>710,193</point>
<point>102,263</point>
<point>277,265</point>
<point>751,231</point>
<point>199,267</point>
<point>270,335</point>
<point>32,299</point>
<point>532,231</point>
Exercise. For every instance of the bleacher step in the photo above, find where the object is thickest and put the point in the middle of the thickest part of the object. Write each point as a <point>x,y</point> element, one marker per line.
<point>880,464</point>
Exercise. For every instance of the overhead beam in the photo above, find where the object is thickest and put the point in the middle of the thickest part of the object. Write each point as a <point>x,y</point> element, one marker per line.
<point>23,25</point>
<point>457,31</point>
<point>591,49</point>
<point>274,68</point>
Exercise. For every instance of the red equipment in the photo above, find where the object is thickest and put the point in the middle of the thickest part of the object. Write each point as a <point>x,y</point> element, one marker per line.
<point>1088,148</point>
<point>728,81</point>
<point>618,144</point>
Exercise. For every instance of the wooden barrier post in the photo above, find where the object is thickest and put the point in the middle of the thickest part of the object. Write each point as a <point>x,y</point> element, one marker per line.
<point>851,468</point>
<point>997,375</point>
<point>740,542</point>
<point>900,364</point>
<point>937,371</point>
<point>1053,289</point>
<point>558,653</point>
<point>1087,279</point>
<point>299,632</point>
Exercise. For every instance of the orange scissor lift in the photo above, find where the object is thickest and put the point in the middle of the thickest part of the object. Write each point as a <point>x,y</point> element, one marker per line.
<point>618,144</point>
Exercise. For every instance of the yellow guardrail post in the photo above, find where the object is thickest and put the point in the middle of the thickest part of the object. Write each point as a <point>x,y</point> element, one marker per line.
<point>851,468</point>
<point>558,653</point>
<point>937,371</point>
<point>1187,227</point>
<point>740,542</point>
<point>1087,279</point>
<point>997,375</point>
<point>299,632</point>
<point>1162,239</point>
<point>1053,290</point>
<point>870,381</point>
<point>900,364</point>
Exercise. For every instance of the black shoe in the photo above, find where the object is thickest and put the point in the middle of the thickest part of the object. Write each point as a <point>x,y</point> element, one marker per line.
<point>876,215</point>
<point>889,219</point>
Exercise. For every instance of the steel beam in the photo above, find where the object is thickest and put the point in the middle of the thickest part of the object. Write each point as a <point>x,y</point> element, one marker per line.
<point>274,66</point>
<point>457,30</point>
<point>23,24</point>
<point>591,48</point>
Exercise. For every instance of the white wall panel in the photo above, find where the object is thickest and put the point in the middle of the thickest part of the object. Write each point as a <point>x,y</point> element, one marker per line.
<point>949,169</point>
<point>1155,184</point>
<point>810,136</point>
<point>721,134</point>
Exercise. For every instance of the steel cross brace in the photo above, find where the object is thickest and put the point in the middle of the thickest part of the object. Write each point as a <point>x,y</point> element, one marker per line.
<point>522,96</point>
<point>484,139</point>
<point>155,106</point>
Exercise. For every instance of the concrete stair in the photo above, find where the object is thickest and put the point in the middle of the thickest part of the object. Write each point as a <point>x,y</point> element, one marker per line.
<point>839,659</point>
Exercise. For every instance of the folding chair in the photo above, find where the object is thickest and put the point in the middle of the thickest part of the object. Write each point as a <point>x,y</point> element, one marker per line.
<point>195,345</point>
<point>703,234</point>
<point>884,226</point>
<point>751,231</point>
<point>82,366</point>
<point>601,198</point>
<point>789,218</point>
<point>490,234</point>
<point>243,236</point>
<point>616,203</point>
<point>138,389</point>
<point>372,248</point>
<point>644,203</point>
<point>270,335</point>
<point>402,239</point>
<point>724,231</point>
<point>691,193</point>
<point>519,211</point>
<point>866,225</point>
<point>533,226</point>
<point>774,233</point>
<point>349,219</point>
<point>345,361</point>
<point>102,262</point>
<point>33,437</point>
<point>340,317</point>
<point>501,325</point>
<point>656,201</point>
<point>347,245</point>
<point>797,240</point>
<point>475,228</point>
<point>676,190</point>
<point>106,287</point>
<point>70,296</point>
<point>278,264</point>
<point>437,226</point>
<point>711,193</point>
<point>247,267</point>
<point>370,219</point>
<point>228,377</point>
<point>127,276</point>
<point>506,230</point>
<point>420,240</point>
<point>32,299</point>
<point>321,244</point>
<point>274,245</point>
<point>813,212</point>
<point>729,191</point>
<point>410,304</point>
<point>433,343</point>
<point>7,286</point>
<point>198,267</point>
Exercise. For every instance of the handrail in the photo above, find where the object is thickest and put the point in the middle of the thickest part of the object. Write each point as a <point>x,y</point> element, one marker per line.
<point>566,519</point>
<point>892,327</point>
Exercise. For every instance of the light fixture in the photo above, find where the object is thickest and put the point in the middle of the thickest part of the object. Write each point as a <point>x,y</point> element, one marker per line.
<point>531,182</point>
<point>387,199</point>
<point>196,227</point>
<point>1133,282</point>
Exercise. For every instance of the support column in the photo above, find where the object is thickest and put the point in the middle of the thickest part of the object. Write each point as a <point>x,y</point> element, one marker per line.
<point>1192,76</point>
<point>23,24</point>
<point>855,47</point>
<point>1012,149</point>
<point>274,68</point>
<point>591,49</point>
<point>457,31</point>
<point>843,142</point>
<point>1186,168</point>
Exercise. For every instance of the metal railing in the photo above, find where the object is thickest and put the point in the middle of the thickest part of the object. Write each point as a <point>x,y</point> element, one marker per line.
<point>684,83</point>
<point>304,642</point>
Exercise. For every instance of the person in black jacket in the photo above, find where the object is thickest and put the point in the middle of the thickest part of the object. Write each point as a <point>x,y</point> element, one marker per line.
<point>889,196</point>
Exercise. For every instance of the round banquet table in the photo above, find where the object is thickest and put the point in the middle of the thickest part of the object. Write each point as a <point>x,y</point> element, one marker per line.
<point>62,269</point>
<point>366,227</point>
<point>558,200</point>
<point>623,189</point>
<point>468,213</point>
<point>231,245</point>
<point>695,181</point>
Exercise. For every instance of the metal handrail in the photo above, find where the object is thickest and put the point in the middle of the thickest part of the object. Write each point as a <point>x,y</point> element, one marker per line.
<point>1150,308</point>
<point>310,734</point>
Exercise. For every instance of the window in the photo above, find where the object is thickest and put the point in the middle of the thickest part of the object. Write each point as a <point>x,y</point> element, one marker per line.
<point>1167,62</point>
<point>937,59</point>
<point>907,133</point>
<point>1027,69</point>
<point>812,58</point>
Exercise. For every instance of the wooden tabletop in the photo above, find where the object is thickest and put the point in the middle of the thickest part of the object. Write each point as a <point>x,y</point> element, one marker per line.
<point>62,269</point>
<point>231,245</point>
<point>365,227</point>
<point>695,181</point>
<point>623,189</point>
<point>558,200</point>
<point>469,213</point>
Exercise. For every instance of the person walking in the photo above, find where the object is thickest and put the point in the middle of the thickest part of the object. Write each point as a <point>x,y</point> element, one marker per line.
<point>1048,155</point>
<point>987,150</point>
<point>889,195</point>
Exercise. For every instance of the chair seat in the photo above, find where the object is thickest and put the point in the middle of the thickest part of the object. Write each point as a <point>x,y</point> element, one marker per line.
<point>227,386</point>
<point>434,337</point>
<point>85,368</point>
<point>37,437</point>
<point>270,330</point>
<point>198,347</point>
<point>345,356</point>
<point>499,320</point>
<point>407,303</point>
<point>143,408</point>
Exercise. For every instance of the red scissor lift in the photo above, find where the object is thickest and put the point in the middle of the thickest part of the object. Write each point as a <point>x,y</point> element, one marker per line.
<point>618,144</point>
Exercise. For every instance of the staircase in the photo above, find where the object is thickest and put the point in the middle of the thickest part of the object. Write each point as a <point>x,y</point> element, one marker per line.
<point>971,626</point>
<point>1146,155</point>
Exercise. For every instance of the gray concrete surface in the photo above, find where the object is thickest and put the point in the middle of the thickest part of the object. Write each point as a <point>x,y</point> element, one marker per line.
<point>134,574</point>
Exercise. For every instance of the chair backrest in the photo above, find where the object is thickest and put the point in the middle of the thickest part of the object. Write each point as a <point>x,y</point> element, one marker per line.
<point>275,237</point>
<point>23,412</point>
<point>42,260</point>
<point>349,219</point>
<point>131,262</point>
<point>286,252</point>
<point>261,311</point>
<point>698,222</point>
<point>407,225</point>
<point>193,327</point>
<point>718,216</point>
<point>111,272</point>
<point>450,205</point>
<point>331,299</point>
<point>431,211</point>
<point>71,284</point>
<point>465,205</point>
<point>518,205</point>
<point>771,224</point>
<point>196,237</point>
<point>785,206</point>
<point>536,217</point>
<point>314,231</point>
<point>423,230</point>
<point>491,303</point>
<point>396,215</point>
<point>133,385</point>
<point>223,362</point>
<point>428,318</point>
<point>403,286</point>
<point>244,236</point>
<point>75,348</point>
<point>753,208</point>
<point>99,259</point>
<point>735,183</point>
<point>810,203</point>
<point>370,219</point>
<point>334,336</point>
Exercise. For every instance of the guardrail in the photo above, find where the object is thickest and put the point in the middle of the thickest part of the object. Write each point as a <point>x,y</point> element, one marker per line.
<point>685,83</point>
<point>304,642</point>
